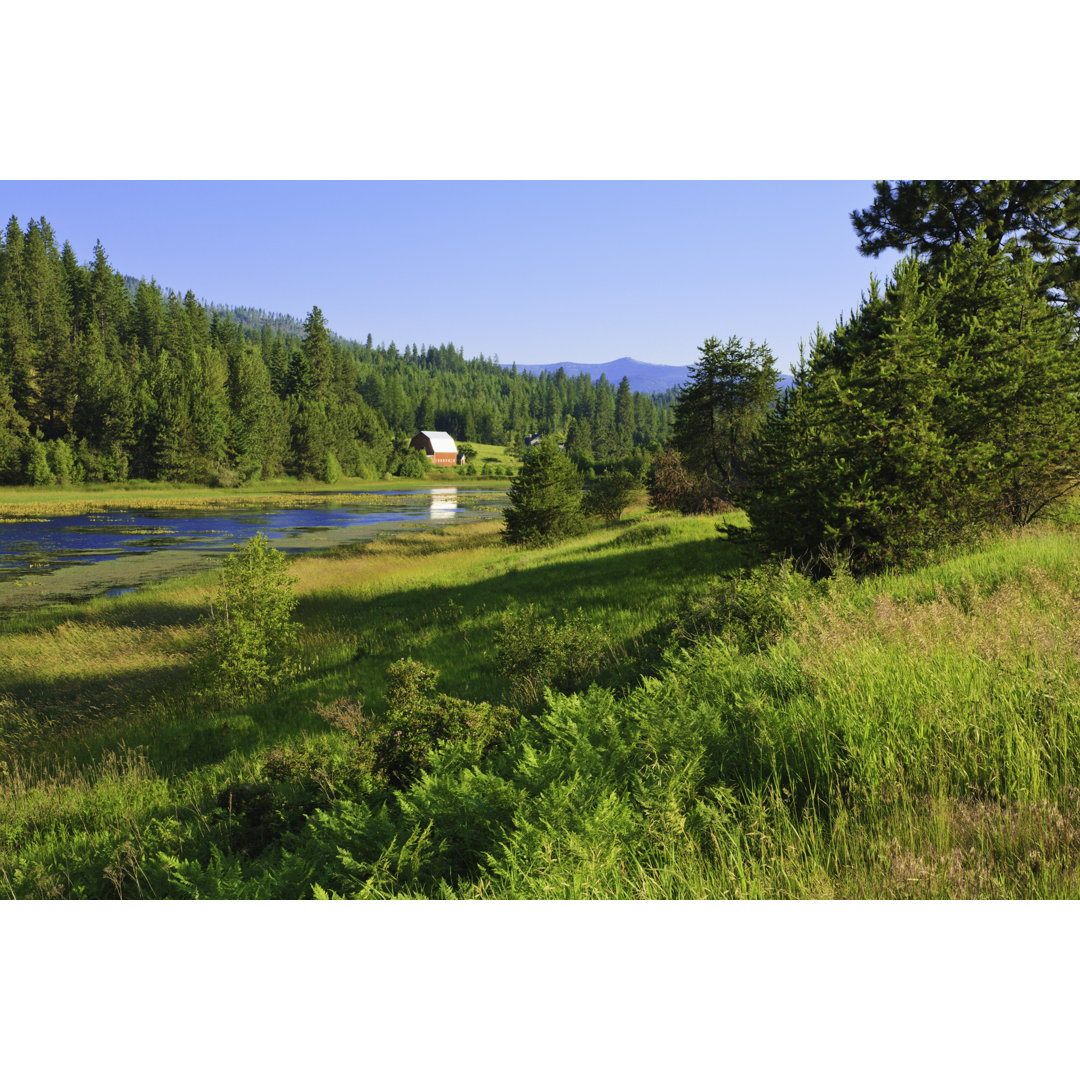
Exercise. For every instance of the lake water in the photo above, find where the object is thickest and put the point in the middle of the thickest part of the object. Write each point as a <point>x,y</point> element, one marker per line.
<point>118,549</point>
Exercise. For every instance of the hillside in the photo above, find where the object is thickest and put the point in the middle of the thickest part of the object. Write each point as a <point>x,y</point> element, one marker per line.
<point>105,379</point>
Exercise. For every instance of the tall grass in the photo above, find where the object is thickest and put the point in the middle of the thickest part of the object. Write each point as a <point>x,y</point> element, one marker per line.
<point>903,736</point>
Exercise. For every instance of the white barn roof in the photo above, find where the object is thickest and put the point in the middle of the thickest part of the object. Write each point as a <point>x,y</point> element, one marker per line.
<point>441,443</point>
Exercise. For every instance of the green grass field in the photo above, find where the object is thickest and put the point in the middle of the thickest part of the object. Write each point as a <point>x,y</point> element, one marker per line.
<point>904,736</point>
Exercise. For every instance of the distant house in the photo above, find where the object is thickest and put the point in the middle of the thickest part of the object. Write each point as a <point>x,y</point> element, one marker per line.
<point>533,440</point>
<point>437,445</point>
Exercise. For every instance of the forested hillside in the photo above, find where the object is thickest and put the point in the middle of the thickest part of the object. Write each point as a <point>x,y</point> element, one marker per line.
<point>102,382</point>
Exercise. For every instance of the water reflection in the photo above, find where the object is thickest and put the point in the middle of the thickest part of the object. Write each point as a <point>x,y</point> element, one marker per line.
<point>443,503</point>
<point>91,553</point>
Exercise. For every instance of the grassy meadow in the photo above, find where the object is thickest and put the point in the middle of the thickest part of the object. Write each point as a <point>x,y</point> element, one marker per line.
<point>715,732</point>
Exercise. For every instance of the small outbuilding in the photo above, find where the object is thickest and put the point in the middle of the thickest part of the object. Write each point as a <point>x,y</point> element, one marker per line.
<point>437,445</point>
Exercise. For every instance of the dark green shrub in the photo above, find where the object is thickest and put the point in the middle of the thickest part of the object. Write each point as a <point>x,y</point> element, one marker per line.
<point>396,748</point>
<point>533,653</point>
<point>257,815</point>
<point>609,495</point>
<point>752,609</point>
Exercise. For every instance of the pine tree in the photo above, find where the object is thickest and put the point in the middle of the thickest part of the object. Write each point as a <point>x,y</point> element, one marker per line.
<point>13,433</point>
<point>943,406</point>
<point>545,498</point>
<point>728,394</point>
<point>927,217</point>
<point>624,417</point>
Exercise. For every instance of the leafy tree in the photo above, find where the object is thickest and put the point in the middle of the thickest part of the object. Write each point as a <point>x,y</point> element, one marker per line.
<point>415,465</point>
<point>332,472</point>
<point>610,494</point>
<point>927,217</point>
<point>63,464</point>
<point>719,409</point>
<point>253,635</point>
<point>36,468</point>
<point>545,498</point>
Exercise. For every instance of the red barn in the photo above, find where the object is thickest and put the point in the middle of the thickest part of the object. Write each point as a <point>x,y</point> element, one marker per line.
<point>437,445</point>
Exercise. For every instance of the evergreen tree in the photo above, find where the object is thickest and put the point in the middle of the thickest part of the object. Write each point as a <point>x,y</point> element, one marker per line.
<point>579,442</point>
<point>13,433</point>
<point>624,417</point>
<point>16,346</point>
<point>927,217</point>
<point>728,393</point>
<point>605,443</point>
<point>318,364</point>
<point>545,498</point>
<point>944,405</point>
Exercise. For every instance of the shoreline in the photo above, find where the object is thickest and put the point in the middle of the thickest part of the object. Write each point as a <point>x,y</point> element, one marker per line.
<point>29,504</point>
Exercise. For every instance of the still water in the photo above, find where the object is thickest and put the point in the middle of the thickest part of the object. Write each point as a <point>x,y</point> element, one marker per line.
<point>116,550</point>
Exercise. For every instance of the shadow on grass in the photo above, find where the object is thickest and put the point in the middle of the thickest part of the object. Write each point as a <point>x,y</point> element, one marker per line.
<point>628,592</point>
<point>349,641</point>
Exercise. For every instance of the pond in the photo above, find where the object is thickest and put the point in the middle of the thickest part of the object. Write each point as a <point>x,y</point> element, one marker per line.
<point>117,549</point>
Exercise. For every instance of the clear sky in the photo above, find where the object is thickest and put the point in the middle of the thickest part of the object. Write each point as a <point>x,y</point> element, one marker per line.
<point>535,272</point>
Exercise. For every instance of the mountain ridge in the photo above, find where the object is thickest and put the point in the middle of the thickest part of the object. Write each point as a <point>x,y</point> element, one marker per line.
<point>644,378</point>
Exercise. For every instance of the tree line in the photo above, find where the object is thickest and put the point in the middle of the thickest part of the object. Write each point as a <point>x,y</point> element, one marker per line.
<point>103,378</point>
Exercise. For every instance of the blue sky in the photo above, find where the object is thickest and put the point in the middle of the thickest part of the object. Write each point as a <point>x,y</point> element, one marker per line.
<point>535,272</point>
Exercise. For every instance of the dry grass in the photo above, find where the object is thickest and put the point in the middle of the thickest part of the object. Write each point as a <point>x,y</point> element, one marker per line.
<point>973,848</point>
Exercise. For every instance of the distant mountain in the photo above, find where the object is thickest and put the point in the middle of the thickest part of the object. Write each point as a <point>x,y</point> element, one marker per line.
<point>644,378</point>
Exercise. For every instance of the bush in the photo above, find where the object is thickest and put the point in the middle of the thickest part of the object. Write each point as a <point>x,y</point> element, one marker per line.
<point>751,609</point>
<point>332,471</point>
<point>63,463</point>
<point>414,466</point>
<point>99,465</point>
<point>545,498</point>
<point>418,720</point>
<point>610,495</point>
<point>671,487</point>
<point>36,464</point>
<point>253,636</point>
<point>561,653</point>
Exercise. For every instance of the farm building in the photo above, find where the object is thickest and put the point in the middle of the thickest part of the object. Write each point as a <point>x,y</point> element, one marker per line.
<point>437,445</point>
